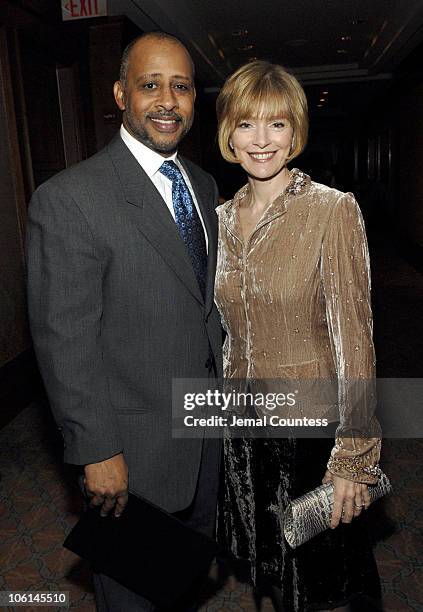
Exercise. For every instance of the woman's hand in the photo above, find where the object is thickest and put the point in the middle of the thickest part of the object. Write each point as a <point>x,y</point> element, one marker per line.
<point>349,498</point>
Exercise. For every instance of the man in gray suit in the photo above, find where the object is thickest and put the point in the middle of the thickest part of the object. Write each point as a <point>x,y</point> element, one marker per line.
<point>121,263</point>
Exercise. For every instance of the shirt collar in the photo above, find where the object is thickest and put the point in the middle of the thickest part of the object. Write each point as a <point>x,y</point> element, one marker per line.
<point>228,212</point>
<point>149,160</point>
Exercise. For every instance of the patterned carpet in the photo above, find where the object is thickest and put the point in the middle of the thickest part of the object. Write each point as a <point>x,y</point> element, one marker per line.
<point>39,501</point>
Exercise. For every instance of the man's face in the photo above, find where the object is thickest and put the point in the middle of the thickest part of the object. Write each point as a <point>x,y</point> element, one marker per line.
<point>158,96</point>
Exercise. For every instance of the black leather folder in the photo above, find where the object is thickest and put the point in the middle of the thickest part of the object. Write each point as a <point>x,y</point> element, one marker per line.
<point>146,549</point>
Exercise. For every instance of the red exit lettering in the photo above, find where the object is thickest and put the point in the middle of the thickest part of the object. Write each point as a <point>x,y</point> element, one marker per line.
<point>82,8</point>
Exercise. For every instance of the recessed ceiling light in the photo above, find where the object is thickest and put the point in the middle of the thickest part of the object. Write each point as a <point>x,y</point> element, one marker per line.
<point>345,38</point>
<point>319,105</point>
<point>296,42</point>
<point>240,32</point>
<point>322,100</point>
<point>246,47</point>
<point>341,51</point>
<point>252,59</point>
<point>325,93</point>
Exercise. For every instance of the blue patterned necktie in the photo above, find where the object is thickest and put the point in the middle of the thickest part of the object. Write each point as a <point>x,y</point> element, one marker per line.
<point>188,222</point>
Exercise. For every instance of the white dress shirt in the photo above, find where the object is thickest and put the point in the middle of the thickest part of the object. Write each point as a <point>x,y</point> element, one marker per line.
<point>150,162</point>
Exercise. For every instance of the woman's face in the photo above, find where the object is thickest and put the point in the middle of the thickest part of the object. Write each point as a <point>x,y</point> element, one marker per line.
<point>262,145</point>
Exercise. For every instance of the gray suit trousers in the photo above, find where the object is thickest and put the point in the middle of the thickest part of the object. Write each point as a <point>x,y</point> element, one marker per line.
<point>111,596</point>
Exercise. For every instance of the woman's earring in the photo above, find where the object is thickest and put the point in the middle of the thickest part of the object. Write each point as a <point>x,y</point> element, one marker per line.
<point>292,145</point>
<point>231,146</point>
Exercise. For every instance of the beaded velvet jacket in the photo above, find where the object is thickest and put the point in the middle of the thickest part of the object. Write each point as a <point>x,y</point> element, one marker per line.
<point>295,303</point>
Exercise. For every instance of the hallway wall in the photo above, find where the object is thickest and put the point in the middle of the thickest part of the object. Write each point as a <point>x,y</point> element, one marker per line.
<point>410,162</point>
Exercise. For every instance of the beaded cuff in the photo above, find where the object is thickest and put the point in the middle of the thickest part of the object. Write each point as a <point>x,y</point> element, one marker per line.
<point>352,468</point>
<point>362,468</point>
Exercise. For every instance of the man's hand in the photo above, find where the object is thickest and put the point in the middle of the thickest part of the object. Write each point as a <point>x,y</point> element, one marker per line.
<point>106,483</point>
<point>349,498</point>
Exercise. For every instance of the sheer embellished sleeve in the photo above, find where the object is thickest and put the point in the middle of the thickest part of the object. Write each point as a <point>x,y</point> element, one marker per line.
<point>345,274</point>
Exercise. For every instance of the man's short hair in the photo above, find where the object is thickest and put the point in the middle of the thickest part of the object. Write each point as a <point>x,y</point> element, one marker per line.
<point>158,35</point>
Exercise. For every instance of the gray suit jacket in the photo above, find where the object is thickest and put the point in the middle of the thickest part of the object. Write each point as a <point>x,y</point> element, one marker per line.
<point>116,313</point>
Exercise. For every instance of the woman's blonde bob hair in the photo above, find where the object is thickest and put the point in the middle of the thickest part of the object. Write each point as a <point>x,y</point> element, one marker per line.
<point>265,90</point>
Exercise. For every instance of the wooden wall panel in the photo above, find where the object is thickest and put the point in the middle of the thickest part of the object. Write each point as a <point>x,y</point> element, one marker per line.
<point>105,48</point>
<point>43,111</point>
<point>14,337</point>
<point>409,116</point>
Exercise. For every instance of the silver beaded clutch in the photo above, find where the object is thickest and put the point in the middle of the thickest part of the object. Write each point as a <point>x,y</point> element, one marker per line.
<point>310,514</point>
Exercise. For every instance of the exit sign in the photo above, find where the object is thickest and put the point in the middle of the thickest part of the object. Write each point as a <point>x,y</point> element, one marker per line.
<point>83,9</point>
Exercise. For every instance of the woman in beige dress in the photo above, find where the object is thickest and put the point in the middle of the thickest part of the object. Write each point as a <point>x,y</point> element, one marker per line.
<point>293,290</point>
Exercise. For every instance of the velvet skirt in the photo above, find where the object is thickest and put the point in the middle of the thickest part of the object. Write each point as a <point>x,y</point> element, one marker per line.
<point>261,477</point>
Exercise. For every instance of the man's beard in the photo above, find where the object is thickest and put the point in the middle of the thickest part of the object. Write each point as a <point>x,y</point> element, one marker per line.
<point>138,130</point>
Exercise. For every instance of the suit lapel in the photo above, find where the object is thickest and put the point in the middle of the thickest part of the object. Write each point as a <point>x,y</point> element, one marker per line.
<point>204,194</point>
<point>152,216</point>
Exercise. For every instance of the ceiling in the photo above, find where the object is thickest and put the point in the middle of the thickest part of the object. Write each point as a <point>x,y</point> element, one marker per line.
<point>336,46</point>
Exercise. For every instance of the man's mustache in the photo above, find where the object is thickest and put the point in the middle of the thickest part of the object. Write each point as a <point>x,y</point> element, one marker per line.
<point>174,116</point>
